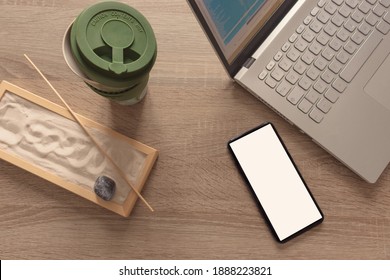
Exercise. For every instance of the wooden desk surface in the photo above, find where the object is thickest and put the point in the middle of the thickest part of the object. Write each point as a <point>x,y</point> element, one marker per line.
<point>203,207</point>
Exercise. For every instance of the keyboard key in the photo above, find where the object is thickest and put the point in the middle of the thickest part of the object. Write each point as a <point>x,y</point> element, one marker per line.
<point>365,28</point>
<point>300,67</point>
<point>305,83</point>
<point>295,95</point>
<point>316,115</point>
<point>379,10</point>
<point>308,57</point>
<point>315,11</point>
<point>284,88</point>
<point>323,17</point>
<point>271,82</point>
<point>292,77</point>
<point>372,19</point>
<point>328,54</point>
<point>336,44</point>
<point>343,57</point>
<point>316,26</point>
<point>335,66</point>
<point>320,86</point>
<point>313,73</point>
<point>312,96</point>
<point>345,11</point>
<point>321,3</point>
<point>324,105</point>
<point>332,95</point>
<point>301,45</point>
<point>285,64</point>
<point>351,25</point>
<point>307,20</point>
<point>263,75</point>
<point>316,48</point>
<point>305,106</point>
<point>286,46</point>
<point>293,38</point>
<point>358,37</point>
<point>323,38</point>
<point>300,29</point>
<point>277,74</point>
<point>293,54</point>
<point>385,3</point>
<point>271,65</point>
<point>331,8</point>
<point>343,34</point>
<point>331,29</point>
<point>383,27</point>
<point>352,3</point>
<point>350,47</point>
<point>327,76</point>
<point>308,35</point>
<point>278,56</point>
<point>357,16</point>
<point>320,63</point>
<point>364,7</point>
<point>339,85</point>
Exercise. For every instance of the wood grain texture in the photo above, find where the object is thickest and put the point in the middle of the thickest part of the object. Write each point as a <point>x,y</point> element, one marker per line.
<point>203,209</point>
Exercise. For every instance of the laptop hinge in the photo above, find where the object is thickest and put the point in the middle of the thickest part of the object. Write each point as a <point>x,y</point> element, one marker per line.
<point>248,63</point>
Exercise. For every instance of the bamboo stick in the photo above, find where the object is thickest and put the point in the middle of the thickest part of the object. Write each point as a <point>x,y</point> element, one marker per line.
<point>76,118</point>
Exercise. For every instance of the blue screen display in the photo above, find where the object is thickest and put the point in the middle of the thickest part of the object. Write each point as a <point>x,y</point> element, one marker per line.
<point>229,16</point>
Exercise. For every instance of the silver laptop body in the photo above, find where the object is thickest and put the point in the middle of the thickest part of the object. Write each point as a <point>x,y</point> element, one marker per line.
<point>323,65</point>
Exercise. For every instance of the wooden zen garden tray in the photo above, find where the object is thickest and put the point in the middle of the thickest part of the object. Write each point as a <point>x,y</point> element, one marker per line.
<point>43,138</point>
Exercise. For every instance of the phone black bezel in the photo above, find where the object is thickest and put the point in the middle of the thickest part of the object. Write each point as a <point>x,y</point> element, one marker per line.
<point>254,194</point>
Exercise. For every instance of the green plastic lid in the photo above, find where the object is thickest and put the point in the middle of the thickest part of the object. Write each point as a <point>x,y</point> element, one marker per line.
<point>113,43</point>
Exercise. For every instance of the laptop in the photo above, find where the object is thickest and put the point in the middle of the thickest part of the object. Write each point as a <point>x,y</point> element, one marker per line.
<point>322,65</point>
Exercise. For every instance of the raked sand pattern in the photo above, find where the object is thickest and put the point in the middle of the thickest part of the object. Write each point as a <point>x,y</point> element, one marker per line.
<point>60,146</point>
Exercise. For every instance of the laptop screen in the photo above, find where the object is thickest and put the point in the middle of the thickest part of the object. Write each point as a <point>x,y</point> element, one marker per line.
<point>233,24</point>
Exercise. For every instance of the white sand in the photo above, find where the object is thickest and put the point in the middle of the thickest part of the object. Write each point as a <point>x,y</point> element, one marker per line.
<point>59,146</point>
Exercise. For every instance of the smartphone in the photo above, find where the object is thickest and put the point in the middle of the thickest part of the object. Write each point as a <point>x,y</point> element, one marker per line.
<point>282,195</point>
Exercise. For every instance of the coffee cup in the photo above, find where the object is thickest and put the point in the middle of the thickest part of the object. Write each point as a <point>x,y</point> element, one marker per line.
<point>112,48</point>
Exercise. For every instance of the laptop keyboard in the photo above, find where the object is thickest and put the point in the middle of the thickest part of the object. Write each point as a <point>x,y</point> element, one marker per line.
<point>313,68</point>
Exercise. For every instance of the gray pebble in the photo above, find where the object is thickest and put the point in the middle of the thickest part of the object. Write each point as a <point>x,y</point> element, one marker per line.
<point>104,187</point>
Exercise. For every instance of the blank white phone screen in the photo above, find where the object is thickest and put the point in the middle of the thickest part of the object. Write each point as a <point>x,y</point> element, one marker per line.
<point>281,192</point>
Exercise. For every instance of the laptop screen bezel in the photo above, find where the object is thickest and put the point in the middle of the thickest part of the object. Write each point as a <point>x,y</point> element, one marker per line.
<point>233,67</point>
